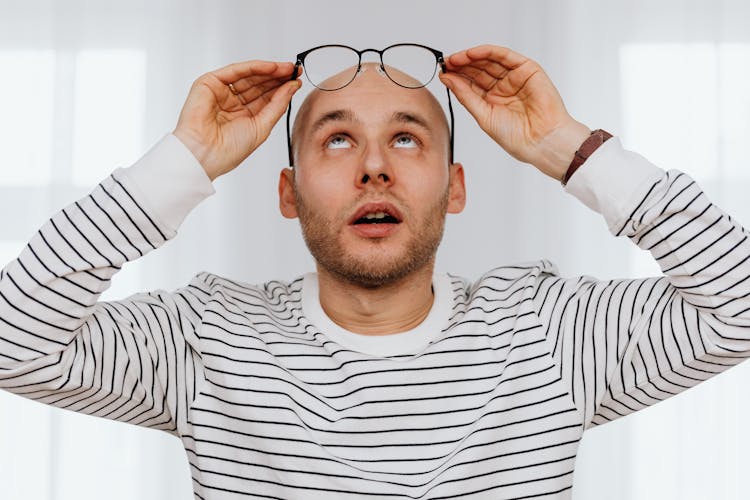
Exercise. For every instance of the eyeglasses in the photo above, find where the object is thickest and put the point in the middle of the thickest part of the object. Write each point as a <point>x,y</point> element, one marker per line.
<point>418,62</point>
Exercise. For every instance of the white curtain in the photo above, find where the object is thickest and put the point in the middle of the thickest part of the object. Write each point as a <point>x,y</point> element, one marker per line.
<point>87,86</point>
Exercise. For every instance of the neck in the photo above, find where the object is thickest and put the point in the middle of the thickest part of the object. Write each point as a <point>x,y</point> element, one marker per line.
<point>392,308</point>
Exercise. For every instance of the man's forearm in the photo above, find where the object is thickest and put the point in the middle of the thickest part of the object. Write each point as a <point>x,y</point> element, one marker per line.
<point>52,287</point>
<point>644,340</point>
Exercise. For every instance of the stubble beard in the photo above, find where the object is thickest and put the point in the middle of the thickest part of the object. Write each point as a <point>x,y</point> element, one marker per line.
<point>377,268</point>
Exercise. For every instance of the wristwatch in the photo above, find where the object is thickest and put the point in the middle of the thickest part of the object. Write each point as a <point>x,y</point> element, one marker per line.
<point>591,144</point>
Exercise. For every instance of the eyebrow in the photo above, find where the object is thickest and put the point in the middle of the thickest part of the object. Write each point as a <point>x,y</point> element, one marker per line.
<point>404,117</point>
<point>339,115</point>
<point>347,115</point>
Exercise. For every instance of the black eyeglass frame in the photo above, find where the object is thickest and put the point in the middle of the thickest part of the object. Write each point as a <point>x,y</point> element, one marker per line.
<point>300,61</point>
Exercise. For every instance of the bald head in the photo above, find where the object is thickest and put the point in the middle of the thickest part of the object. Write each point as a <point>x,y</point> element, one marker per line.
<point>371,83</point>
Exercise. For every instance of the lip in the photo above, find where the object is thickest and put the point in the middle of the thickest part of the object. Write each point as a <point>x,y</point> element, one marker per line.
<point>376,230</point>
<point>367,208</point>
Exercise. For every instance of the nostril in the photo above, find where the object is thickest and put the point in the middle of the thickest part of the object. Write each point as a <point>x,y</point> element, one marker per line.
<point>365,178</point>
<point>384,177</point>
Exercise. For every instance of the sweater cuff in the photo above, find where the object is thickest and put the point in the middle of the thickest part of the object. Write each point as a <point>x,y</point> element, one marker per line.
<point>613,181</point>
<point>169,181</point>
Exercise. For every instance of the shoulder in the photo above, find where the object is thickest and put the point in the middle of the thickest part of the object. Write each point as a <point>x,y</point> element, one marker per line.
<point>272,292</point>
<point>507,277</point>
<point>507,284</point>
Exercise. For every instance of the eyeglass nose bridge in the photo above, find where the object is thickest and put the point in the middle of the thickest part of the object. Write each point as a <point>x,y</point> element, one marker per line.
<point>362,52</point>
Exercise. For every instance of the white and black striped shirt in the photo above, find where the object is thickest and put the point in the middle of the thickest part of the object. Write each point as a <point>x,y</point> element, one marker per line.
<point>487,398</point>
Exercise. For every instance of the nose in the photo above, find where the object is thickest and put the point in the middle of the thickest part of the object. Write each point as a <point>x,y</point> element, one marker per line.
<point>375,169</point>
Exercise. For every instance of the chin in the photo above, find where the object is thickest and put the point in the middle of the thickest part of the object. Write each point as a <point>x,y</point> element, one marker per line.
<point>372,262</point>
<point>375,269</point>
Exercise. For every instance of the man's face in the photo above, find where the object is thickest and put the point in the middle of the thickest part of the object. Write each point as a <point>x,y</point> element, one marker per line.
<point>373,182</point>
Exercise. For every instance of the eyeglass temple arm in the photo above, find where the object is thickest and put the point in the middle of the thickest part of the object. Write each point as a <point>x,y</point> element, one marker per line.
<point>441,61</point>
<point>450,110</point>
<point>295,74</point>
<point>289,135</point>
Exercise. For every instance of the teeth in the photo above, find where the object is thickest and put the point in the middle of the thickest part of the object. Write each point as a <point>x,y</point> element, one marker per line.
<point>376,215</point>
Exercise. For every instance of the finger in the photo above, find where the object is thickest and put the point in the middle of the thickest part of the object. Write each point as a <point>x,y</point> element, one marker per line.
<point>494,70</point>
<point>254,91</point>
<point>498,80</point>
<point>479,76</point>
<point>231,99</point>
<point>243,84</point>
<point>255,106</point>
<point>469,96</point>
<point>276,104</point>
<point>249,89</point>
<point>237,71</point>
<point>501,55</point>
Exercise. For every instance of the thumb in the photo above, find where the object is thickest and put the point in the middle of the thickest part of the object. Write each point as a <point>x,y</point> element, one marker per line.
<point>274,110</point>
<point>466,95</point>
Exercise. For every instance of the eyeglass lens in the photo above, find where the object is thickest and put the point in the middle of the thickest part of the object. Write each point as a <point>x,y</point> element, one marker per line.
<point>418,65</point>
<point>323,63</point>
<point>415,66</point>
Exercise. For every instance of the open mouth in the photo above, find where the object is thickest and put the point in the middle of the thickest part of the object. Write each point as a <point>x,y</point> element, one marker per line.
<point>376,214</point>
<point>377,218</point>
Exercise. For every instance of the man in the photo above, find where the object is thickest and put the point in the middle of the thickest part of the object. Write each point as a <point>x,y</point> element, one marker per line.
<point>376,377</point>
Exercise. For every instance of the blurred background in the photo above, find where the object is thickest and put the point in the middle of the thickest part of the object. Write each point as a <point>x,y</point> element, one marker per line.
<point>89,86</point>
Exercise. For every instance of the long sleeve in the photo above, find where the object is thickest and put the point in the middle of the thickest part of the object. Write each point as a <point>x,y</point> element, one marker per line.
<point>623,345</point>
<point>134,360</point>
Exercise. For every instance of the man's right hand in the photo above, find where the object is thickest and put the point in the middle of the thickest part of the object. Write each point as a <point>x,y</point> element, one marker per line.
<point>218,128</point>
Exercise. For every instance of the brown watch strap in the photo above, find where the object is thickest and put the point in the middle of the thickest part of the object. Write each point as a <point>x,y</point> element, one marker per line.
<point>591,144</point>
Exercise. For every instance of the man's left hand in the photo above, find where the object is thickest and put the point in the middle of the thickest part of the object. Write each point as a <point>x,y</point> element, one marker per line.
<point>515,103</point>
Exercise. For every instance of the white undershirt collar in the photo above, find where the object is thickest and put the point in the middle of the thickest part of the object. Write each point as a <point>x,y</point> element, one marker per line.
<point>405,343</point>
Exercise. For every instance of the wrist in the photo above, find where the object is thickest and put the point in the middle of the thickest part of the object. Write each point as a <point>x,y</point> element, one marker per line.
<point>197,149</point>
<point>559,147</point>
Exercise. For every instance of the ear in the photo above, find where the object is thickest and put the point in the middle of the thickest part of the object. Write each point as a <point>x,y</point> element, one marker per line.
<point>287,199</point>
<point>456,189</point>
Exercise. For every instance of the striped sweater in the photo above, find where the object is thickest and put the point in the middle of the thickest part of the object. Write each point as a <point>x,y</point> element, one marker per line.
<point>487,398</point>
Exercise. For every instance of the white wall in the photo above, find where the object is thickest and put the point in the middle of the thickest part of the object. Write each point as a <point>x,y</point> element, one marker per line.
<point>87,86</point>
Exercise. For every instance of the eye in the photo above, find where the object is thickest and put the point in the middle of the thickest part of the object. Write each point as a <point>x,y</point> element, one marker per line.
<point>338,141</point>
<point>405,141</point>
